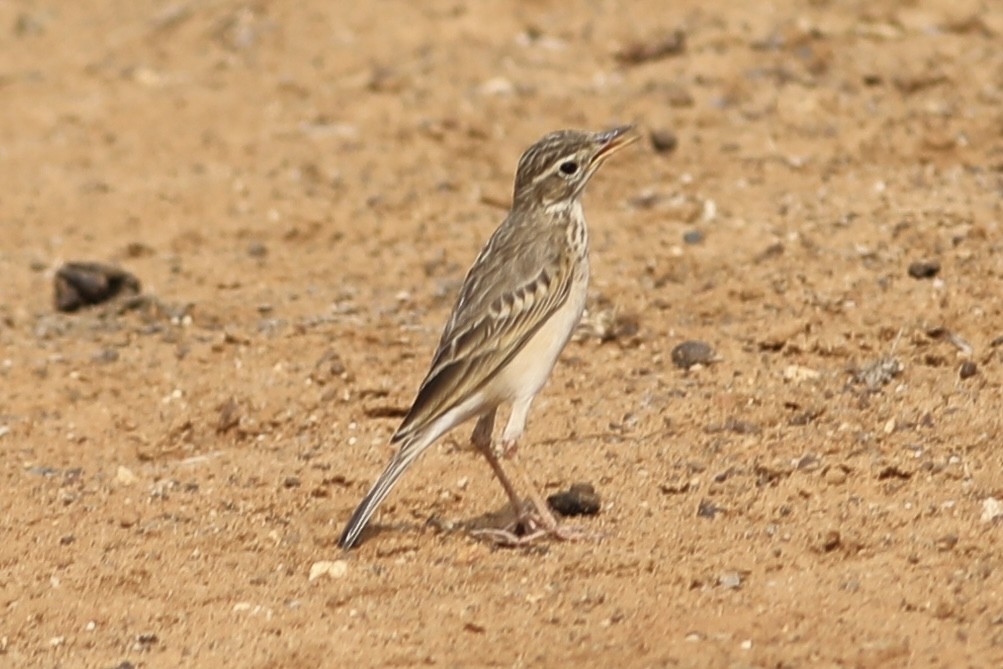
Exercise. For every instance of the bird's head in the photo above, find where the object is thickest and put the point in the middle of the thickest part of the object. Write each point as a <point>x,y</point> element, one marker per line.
<point>555,170</point>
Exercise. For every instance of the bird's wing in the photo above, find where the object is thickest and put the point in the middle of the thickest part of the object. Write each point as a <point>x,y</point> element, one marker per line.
<point>498,311</point>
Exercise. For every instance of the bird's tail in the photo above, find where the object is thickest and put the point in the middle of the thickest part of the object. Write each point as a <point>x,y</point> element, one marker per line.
<point>367,507</point>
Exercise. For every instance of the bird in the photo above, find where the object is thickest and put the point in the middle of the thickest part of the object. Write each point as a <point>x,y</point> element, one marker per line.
<point>516,310</point>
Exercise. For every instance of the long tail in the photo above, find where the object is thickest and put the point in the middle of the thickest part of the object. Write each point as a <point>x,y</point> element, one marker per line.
<point>367,507</point>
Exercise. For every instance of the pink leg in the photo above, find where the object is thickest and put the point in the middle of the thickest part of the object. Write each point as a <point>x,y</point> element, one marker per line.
<point>531,524</point>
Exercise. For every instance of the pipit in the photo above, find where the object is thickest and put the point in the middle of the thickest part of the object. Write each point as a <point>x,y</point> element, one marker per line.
<point>516,310</point>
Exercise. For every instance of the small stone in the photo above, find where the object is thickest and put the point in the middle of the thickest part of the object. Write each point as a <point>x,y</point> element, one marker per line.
<point>79,284</point>
<point>693,237</point>
<point>707,509</point>
<point>676,488</point>
<point>690,353</point>
<point>893,472</point>
<point>968,369</point>
<point>992,509</point>
<point>671,44</point>
<point>291,482</point>
<point>835,475</point>
<point>797,373</point>
<point>580,499</point>
<point>144,641</point>
<point>831,540</point>
<point>335,569</point>
<point>257,250</point>
<point>947,542</point>
<point>125,476</point>
<point>924,269</point>
<point>664,141</point>
<point>731,580</point>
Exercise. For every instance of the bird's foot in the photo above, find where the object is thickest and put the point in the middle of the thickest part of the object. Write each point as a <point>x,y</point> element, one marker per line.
<point>530,528</point>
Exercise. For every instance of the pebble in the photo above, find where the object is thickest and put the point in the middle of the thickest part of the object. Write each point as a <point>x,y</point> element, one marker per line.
<point>666,45</point>
<point>580,499</point>
<point>707,509</point>
<point>125,476</point>
<point>663,141</point>
<point>257,250</point>
<point>831,540</point>
<point>968,369</point>
<point>731,580</point>
<point>335,569</point>
<point>992,509</point>
<point>924,269</point>
<point>835,476</point>
<point>690,353</point>
<point>78,284</point>
<point>947,542</point>
<point>693,237</point>
<point>797,373</point>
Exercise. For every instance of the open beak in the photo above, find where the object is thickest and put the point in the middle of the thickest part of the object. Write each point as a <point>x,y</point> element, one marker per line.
<point>611,141</point>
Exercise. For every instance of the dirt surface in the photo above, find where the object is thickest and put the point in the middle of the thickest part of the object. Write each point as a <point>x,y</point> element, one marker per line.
<point>300,187</point>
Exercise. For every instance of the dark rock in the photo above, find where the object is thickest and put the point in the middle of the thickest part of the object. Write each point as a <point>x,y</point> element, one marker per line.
<point>580,499</point>
<point>924,269</point>
<point>691,353</point>
<point>707,509</point>
<point>664,141</point>
<point>693,237</point>
<point>80,284</point>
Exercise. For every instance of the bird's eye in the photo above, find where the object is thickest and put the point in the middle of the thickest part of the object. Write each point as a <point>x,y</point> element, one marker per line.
<point>569,167</point>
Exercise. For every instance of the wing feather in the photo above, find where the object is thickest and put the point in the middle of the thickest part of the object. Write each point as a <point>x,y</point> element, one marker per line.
<point>489,326</point>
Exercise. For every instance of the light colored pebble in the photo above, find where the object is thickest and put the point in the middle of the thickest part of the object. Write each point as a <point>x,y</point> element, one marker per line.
<point>335,569</point>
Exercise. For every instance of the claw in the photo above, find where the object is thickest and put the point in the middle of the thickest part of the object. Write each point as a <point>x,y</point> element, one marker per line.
<point>530,527</point>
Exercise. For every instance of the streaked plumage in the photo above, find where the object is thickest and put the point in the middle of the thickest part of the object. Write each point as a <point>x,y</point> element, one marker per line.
<point>517,307</point>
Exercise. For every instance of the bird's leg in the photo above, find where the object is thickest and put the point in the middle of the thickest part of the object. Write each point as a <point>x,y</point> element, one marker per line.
<point>510,535</point>
<point>481,439</point>
<point>541,521</point>
<point>533,523</point>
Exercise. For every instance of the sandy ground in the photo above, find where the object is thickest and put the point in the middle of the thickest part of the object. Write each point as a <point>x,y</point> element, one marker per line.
<point>301,186</point>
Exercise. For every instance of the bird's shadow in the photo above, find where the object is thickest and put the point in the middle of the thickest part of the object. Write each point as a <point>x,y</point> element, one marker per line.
<point>502,518</point>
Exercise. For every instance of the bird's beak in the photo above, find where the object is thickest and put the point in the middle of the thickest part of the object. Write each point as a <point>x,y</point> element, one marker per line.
<point>611,141</point>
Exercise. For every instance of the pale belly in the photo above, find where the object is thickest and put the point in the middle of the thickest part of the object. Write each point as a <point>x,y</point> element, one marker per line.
<point>529,370</point>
